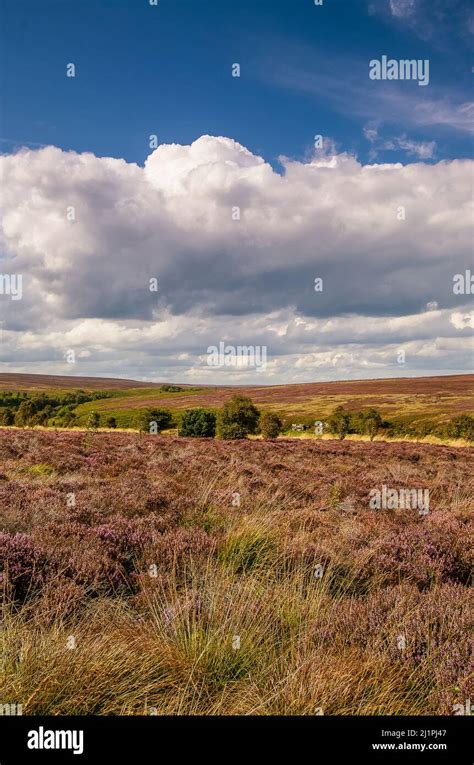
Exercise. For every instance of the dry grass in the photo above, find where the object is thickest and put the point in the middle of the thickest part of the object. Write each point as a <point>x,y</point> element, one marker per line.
<point>232,617</point>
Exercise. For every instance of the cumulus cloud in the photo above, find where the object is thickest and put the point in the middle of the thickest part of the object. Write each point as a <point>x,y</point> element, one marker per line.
<point>235,248</point>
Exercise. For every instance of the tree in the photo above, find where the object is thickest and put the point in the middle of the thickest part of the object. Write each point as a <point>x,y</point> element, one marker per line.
<point>93,421</point>
<point>40,418</point>
<point>338,422</point>
<point>198,423</point>
<point>8,418</point>
<point>69,420</point>
<point>154,420</point>
<point>270,425</point>
<point>111,422</point>
<point>237,418</point>
<point>372,423</point>
<point>25,414</point>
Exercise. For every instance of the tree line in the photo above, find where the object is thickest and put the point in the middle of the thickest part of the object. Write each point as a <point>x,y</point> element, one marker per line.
<point>238,418</point>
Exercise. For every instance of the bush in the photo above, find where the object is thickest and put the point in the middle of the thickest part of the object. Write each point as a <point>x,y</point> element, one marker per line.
<point>154,420</point>
<point>461,427</point>
<point>25,414</point>
<point>22,565</point>
<point>372,423</point>
<point>93,421</point>
<point>270,425</point>
<point>111,422</point>
<point>171,389</point>
<point>237,418</point>
<point>339,422</point>
<point>8,418</point>
<point>198,423</point>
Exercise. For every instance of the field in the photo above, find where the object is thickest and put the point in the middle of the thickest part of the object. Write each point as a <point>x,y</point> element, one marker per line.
<point>424,402</point>
<point>151,574</point>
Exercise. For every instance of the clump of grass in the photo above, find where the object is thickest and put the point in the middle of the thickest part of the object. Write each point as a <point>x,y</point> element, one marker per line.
<point>248,547</point>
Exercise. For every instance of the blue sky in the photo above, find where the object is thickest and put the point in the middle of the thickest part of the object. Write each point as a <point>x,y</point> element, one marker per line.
<point>236,212</point>
<point>166,70</point>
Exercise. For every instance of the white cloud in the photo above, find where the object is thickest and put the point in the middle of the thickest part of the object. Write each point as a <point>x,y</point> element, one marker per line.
<point>250,281</point>
<point>463,321</point>
<point>402,8</point>
<point>421,149</point>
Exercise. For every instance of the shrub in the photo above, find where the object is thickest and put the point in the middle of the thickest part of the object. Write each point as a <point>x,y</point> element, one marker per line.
<point>461,427</point>
<point>198,423</point>
<point>8,418</point>
<point>154,420</point>
<point>270,425</point>
<point>171,389</point>
<point>93,421</point>
<point>22,565</point>
<point>338,422</point>
<point>111,422</point>
<point>372,423</point>
<point>237,418</point>
<point>25,414</point>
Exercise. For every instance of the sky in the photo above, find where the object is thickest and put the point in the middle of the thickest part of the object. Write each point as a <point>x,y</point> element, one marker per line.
<point>180,174</point>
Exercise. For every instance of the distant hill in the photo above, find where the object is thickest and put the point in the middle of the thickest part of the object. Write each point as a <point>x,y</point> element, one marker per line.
<point>409,385</point>
<point>12,381</point>
<point>437,397</point>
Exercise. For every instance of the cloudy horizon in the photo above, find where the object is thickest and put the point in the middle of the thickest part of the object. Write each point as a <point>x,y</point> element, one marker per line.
<point>342,261</point>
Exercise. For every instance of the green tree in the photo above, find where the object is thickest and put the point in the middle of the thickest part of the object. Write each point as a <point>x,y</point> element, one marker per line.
<point>237,418</point>
<point>372,423</point>
<point>69,420</point>
<point>198,423</point>
<point>8,418</point>
<point>154,420</point>
<point>339,422</point>
<point>40,418</point>
<point>93,421</point>
<point>270,425</point>
<point>25,414</point>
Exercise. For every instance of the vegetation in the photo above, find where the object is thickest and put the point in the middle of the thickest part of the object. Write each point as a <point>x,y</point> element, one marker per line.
<point>461,427</point>
<point>238,418</point>
<point>270,425</point>
<point>93,421</point>
<point>297,598</point>
<point>198,423</point>
<point>154,420</point>
<point>339,422</point>
<point>130,408</point>
<point>40,408</point>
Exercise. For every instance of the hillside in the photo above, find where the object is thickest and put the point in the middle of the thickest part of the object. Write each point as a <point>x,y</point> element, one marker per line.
<point>416,407</point>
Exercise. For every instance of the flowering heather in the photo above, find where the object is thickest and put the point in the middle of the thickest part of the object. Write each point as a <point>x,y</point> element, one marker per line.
<point>209,577</point>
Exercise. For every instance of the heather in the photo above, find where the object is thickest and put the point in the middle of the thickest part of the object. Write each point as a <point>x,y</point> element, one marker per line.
<point>200,576</point>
